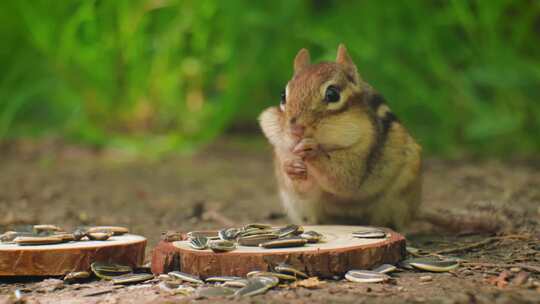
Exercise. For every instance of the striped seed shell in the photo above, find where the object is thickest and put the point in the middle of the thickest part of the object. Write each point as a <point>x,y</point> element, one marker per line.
<point>222,246</point>
<point>221,279</point>
<point>311,236</point>
<point>37,240</point>
<point>372,233</point>
<point>385,268</point>
<point>257,239</point>
<point>115,230</point>
<point>132,278</point>
<point>285,243</point>
<point>433,265</point>
<point>279,276</point>
<point>287,269</point>
<point>199,242</point>
<point>366,276</point>
<point>186,277</point>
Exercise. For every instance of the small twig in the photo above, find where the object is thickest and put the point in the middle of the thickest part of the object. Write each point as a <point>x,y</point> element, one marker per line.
<point>524,266</point>
<point>481,243</point>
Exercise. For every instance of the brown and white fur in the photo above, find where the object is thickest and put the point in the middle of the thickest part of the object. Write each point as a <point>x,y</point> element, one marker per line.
<point>345,162</point>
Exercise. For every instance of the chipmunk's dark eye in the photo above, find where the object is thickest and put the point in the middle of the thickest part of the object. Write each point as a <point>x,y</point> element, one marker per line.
<point>331,94</point>
<point>283,97</point>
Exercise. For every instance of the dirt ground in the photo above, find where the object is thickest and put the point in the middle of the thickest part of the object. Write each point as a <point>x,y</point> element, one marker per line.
<point>465,202</point>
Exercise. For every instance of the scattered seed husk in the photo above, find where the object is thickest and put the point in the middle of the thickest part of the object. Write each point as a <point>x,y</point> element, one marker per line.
<point>284,243</point>
<point>115,230</point>
<point>287,269</point>
<point>257,225</point>
<point>99,236</point>
<point>10,236</point>
<point>433,265</point>
<point>280,276</point>
<point>366,276</point>
<point>76,276</point>
<point>290,230</point>
<point>66,237</point>
<point>255,286</point>
<point>221,279</point>
<point>79,233</point>
<point>385,268</point>
<point>236,283</point>
<point>228,234</point>
<point>256,231</point>
<point>186,277</point>
<point>132,278</point>
<point>46,228</point>
<point>211,234</point>
<point>176,288</point>
<point>215,291</point>
<point>257,239</point>
<point>199,242</point>
<point>370,234</point>
<point>108,271</point>
<point>312,236</point>
<point>222,246</point>
<point>37,240</point>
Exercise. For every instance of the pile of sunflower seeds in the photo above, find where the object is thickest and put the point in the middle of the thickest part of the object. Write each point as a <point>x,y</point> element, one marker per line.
<point>51,234</point>
<point>255,283</point>
<point>261,235</point>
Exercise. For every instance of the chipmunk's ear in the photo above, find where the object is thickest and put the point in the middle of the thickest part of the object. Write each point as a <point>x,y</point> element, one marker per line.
<point>301,60</point>
<point>345,60</point>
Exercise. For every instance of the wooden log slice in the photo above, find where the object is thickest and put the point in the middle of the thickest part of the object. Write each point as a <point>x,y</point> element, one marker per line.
<point>59,259</point>
<point>337,254</point>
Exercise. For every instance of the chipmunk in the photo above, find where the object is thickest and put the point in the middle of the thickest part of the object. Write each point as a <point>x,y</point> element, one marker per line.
<point>341,156</point>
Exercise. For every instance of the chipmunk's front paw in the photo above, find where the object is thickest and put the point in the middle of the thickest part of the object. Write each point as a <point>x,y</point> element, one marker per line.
<point>307,148</point>
<point>295,169</point>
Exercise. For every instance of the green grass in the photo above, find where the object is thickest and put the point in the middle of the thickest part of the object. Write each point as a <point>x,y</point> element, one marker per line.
<point>164,75</point>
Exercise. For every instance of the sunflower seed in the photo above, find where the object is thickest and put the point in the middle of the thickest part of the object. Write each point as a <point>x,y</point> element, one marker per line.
<point>186,277</point>
<point>9,236</point>
<point>366,276</point>
<point>46,229</point>
<point>280,276</point>
<point>370,234</point>
<point>199,242</point>
<point>290,230</point>
<point>433,265</point>
<point>115,230</point>
<point>311,236</point>
<point>287,269</point>
<point>257,225</point>
<point>132,278</point>
<point>228,234</point>
<point>256,240</point>
<point>222,246</point>
<point>108,271</point>
<point>256,286</point>
<point>76,276</point>
<point>37,240</point>
<point>236,283</point>
<point>215,291</point>
<point>221,279</point>
<point>99,236</point>
<point>66,237</point>
<point>385,268</point>
<point>79,233</point>
<point>256,231</point>
<point>286,242</point>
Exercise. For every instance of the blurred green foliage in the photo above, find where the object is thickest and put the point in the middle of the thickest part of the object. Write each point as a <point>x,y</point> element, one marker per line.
<point>164,74</point>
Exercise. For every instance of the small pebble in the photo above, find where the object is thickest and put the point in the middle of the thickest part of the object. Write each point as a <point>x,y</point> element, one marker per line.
<point>426,278</point>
